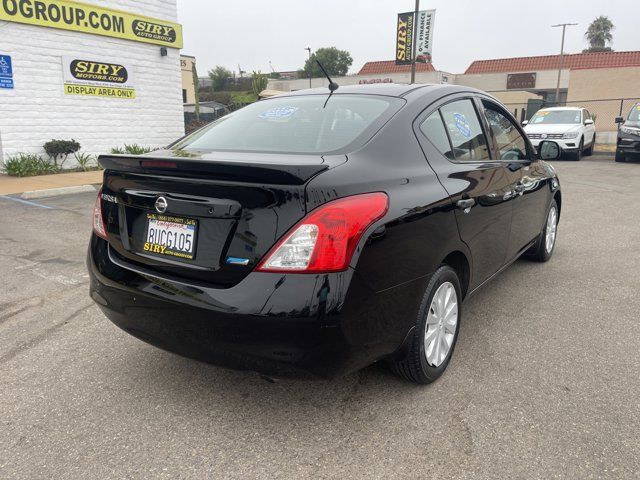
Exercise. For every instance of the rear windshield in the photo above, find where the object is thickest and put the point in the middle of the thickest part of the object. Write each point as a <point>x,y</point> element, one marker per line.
<point>634,115</point>
<point>297,124</point>
<point>556,116</point>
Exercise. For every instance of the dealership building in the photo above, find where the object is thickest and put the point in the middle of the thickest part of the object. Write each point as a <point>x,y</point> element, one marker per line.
<point>607,83</point>
<point>105,73</point>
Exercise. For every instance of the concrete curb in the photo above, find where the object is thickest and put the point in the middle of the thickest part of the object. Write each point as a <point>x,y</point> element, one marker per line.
<point>53,192</point>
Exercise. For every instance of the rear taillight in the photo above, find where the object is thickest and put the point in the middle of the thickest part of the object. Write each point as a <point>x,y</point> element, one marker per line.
<point>98,221</point>
<point>324,241</point>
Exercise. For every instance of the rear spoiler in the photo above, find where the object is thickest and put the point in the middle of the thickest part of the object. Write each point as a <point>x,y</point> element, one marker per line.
<point>250,172</point>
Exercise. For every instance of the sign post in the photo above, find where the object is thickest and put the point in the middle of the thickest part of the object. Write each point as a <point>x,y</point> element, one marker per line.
<point>6,72</point>
<point>413,46</point>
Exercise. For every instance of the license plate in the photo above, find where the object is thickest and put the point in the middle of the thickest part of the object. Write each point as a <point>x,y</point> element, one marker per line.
<point>171,236</point>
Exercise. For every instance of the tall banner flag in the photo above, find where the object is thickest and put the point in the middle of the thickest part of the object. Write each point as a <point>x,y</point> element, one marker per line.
<point>410,29</point>
<point>404,38</point>
<point>424,36</point>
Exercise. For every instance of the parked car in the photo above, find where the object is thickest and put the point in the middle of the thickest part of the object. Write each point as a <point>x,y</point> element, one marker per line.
<point>628,144</point>
<point>572,127</point>
<point>320,233</point>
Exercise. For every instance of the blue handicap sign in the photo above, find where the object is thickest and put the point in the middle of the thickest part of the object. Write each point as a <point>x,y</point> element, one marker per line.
<point>6,72</point>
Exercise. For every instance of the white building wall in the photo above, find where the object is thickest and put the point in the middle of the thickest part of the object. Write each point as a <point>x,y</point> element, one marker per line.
<point>37,109</point>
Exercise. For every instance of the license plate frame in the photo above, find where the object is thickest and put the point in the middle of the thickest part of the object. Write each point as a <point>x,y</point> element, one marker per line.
<point>179,232</point>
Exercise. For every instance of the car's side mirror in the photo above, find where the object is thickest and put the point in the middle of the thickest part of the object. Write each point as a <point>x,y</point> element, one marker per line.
<point>588,121</point>
<point>524,122</point>
<point>549,150</point>
<point>619,119</point>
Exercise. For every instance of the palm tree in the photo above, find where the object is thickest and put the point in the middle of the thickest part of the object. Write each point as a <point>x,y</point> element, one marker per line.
<point>599,34</point>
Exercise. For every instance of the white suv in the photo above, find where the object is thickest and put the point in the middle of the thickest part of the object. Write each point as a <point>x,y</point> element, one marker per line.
<point>572,127</point>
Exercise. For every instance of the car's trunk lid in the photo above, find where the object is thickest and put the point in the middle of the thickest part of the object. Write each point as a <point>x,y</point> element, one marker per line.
<point>228,208</point>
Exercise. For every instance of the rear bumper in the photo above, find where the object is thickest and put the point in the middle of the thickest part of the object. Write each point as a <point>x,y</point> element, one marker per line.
<point>281,325</point>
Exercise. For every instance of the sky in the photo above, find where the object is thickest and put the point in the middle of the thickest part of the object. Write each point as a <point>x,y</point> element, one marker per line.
<point>251,33</point>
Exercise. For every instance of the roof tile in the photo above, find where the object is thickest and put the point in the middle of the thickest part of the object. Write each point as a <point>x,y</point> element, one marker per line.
<point>389,66</point>
<point>552,62</point>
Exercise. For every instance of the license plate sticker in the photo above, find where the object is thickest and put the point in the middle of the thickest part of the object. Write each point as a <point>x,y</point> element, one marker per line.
<point>170,236</point>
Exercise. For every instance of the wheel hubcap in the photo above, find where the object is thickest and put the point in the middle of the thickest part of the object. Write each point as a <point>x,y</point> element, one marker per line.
<point>552,225</point>
<point>440,328</point>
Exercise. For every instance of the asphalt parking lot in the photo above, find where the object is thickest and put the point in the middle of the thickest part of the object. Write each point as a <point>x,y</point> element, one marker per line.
<point>544,383</point>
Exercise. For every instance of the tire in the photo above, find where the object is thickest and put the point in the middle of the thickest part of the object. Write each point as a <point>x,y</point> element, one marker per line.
<point>589,151</point>
<point>418,365</point>
<point>540,251</point>
<point>578,155</point>
<point>620,157</point>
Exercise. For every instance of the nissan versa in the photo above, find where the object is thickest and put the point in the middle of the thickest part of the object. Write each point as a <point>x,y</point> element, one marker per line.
<point>320,232</point>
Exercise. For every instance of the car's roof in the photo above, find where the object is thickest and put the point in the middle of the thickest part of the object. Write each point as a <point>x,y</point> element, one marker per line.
<point>561,108</point>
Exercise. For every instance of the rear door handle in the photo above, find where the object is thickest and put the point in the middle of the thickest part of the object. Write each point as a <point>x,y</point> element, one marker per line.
<point>465,203</point>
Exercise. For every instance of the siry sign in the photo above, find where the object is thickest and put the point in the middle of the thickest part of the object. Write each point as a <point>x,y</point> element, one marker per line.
<point>404,38</point>
<point>97,78</point>
<point>81,17</point>
<point>410,29</point>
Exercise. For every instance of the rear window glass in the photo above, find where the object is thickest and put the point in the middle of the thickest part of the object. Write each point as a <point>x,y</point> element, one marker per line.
<point>296,124</point>
<point>556,116</point>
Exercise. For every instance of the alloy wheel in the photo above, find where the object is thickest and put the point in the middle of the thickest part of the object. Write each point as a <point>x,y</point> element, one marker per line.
<point>441,324</point>
<point>552,225</point>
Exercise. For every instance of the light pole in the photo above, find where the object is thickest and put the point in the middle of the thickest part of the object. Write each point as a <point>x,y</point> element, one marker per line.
<point>308,49</point>
<point>413,43</point>
<point>564,27</point>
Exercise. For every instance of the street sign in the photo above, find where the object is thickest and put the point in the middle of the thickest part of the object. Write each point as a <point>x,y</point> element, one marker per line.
<point>6,72</point>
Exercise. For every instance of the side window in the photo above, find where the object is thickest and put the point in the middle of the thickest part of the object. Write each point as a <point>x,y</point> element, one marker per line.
<point>511,144</point>
<point>587,115</point>
<point>467,138</point>
<point>433,128</point>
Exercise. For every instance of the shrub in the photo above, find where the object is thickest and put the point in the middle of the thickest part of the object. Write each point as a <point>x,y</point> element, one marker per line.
<point>28,164</point>
<point>84,160</point>
<point>135,149</point>
<point>258,82</point>
<point>60,149</point>
<point>220,97</point>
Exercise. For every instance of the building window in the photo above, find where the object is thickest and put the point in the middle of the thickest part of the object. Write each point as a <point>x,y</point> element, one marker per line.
<point>184,95</point>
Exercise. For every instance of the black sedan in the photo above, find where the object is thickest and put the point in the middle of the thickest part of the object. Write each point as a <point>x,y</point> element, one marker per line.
<point>628,144</point>
<point>320,233</point>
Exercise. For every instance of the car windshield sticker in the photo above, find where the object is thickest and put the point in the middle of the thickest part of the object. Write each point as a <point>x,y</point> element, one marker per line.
<point>278,112</point>
<point>638,108</point>
<point>462,125</point>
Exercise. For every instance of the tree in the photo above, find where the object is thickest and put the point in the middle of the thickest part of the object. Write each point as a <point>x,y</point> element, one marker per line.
<point>336,62</point>
<point>599,34</point>
<point>220,77</point>
<point>258,82</point>
<point>196,82</point>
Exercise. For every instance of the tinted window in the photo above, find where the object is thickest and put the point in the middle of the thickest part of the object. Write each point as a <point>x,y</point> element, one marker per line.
<point>467,138</point>
<point>296,124</point>
<point>587,114</point>
<point>511,145</point>
<point>556,116</point>
<point>434,130</point>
